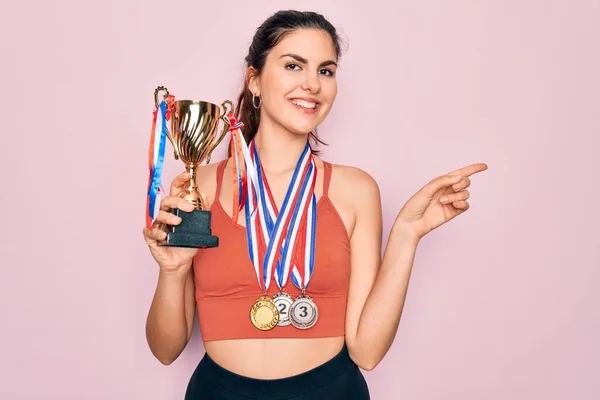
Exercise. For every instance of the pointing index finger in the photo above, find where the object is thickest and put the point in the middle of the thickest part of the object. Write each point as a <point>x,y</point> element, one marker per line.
<point>470,169</point>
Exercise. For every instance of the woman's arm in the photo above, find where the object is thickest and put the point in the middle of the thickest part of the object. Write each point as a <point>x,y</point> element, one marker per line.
<point>378,288</point>
<point>171,316</point>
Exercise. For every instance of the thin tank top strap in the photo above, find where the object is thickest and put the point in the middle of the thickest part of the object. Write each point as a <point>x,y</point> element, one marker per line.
<point>220,172</point>
<point>326,177</point>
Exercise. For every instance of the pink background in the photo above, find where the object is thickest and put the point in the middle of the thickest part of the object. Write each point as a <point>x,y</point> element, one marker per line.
<point>503,302</point>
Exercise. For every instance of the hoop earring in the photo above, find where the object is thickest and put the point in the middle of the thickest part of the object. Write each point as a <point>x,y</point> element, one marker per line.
<point>254,103</point>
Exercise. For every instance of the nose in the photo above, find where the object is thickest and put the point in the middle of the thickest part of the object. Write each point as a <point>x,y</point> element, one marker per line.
<point>312,83</point>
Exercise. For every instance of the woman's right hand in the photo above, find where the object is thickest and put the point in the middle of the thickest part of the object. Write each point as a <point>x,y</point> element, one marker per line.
<point>171,260</point>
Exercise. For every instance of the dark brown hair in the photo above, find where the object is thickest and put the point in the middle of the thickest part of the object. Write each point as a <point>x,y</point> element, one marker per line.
<point>268,35</point>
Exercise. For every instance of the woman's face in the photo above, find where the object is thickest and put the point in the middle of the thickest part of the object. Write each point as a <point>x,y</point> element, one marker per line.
<point>298,84</point>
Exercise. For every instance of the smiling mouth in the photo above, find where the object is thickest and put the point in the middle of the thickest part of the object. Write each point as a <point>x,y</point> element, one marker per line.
<point>310,105</point>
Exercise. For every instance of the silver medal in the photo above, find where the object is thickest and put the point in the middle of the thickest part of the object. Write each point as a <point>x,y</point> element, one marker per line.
<point>283,301</point>
<point>303,312</point>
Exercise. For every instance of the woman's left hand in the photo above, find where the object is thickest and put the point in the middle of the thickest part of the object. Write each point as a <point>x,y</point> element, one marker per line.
<point>436,203</point>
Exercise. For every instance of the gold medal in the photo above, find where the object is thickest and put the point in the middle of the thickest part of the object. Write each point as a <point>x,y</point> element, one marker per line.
<point>264,314</point>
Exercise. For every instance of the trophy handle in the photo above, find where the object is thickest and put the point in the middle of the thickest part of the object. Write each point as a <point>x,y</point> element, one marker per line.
<point>156,91</point>
<point>225,127</point>
<point>175,153</point>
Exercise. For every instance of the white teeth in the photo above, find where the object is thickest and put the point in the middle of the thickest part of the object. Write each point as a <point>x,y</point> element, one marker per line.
<point>303,103</point>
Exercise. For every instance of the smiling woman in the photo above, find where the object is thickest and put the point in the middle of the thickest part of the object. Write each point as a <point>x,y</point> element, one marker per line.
<point>295,299</point>
<point>291,68</point>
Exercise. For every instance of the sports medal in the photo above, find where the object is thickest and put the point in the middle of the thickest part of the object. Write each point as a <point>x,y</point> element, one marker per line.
<point>264,314</point>
<point>282,272</point>
<point>272,233</point>
<point>304,312</point>
<point>283,302</point>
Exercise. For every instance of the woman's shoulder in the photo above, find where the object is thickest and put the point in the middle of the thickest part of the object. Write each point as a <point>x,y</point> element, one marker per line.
<point>352,176</point>
<point>349,179</point>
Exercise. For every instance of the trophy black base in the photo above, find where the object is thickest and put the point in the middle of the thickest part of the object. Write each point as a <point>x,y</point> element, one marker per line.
<point>194,230</point>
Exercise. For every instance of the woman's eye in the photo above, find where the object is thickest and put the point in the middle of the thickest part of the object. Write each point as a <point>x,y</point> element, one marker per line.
<point>296,67</point>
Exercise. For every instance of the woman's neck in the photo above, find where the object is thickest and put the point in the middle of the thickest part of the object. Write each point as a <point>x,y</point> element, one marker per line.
<point>278,148</point>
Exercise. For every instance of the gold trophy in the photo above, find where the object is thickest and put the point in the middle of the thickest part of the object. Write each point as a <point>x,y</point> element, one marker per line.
<point>193,135</point>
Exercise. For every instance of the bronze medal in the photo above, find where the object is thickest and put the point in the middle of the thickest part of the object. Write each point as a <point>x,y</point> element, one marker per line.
<point>304,312</point>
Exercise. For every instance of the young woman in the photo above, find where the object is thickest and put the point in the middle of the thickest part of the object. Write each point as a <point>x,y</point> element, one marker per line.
<point>301,326</point>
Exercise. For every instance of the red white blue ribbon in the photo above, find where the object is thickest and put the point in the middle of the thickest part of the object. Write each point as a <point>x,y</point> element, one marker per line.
<point>284,224</point>
<point>272,234</point>
<point>303,271</point>
<point>156,156</point>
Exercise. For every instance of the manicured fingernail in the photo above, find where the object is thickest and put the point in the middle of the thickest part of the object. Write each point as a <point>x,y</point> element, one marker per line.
<point>456,178</point>
<point>444,200</point>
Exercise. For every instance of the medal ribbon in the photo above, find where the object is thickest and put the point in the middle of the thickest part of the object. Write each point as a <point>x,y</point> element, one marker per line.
<point>282,272</point>
<point>268,234</point>
<point>239,168</point>
<point>246,193</point>
<point>301,275</point>
<point>282,224</point>
<point>156,156</point>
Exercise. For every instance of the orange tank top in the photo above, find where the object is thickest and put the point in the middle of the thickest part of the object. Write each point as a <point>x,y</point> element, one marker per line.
<point>226,285</point>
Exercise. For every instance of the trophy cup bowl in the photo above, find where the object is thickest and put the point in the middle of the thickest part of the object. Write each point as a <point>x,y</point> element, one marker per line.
<point>193,134</point>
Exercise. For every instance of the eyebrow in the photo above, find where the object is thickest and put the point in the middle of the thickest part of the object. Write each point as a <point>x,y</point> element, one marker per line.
<point>305,61</point>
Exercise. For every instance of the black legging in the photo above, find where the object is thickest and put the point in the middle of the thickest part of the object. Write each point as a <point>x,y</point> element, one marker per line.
<point>339,378</point>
